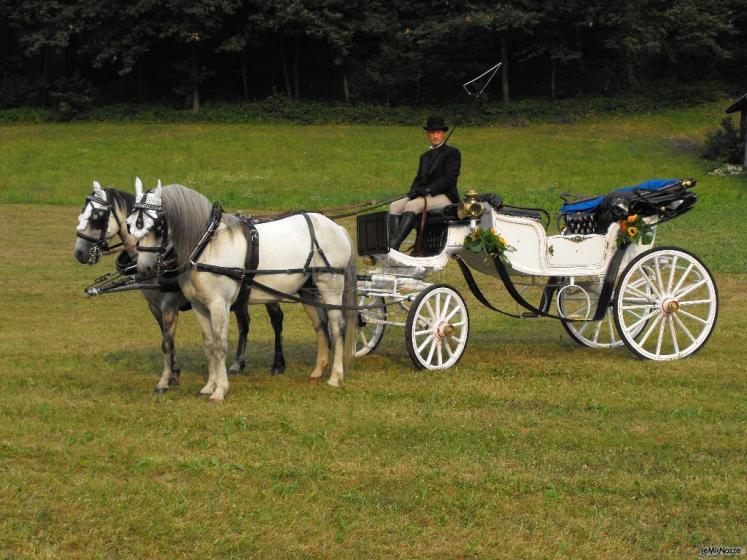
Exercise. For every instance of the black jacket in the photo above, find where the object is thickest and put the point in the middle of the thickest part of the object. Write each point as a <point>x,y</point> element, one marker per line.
<point>437,173</point>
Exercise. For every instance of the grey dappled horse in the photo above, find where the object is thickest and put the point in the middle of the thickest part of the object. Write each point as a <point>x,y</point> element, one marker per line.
<point>102,218</point>
<point>176,218</point>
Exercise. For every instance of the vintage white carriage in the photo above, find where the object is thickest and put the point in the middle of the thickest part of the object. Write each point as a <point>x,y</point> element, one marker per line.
<point>660,302</point>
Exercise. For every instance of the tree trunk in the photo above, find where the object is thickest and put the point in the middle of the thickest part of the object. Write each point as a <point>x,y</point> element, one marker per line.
<point>629,73</point>
<point>44,70</point>
<point>504,72</point>
<point>743,132</point>
<point>286,78</point>
<point>552,78</point>
<point>195,71</point>
<point>140,81</point>
<point>295,70</point>
<point>345,89</point>
<point>244,78</point>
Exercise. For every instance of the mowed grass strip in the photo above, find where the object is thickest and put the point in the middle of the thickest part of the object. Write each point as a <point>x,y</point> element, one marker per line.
<point>531,446</point>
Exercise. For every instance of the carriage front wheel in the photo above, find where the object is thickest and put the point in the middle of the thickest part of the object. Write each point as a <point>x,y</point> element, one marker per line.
<point>371,324</point>
<point>437,328</point>
<point>673,294</point>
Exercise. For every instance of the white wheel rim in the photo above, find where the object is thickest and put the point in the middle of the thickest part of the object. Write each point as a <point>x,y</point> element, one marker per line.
<point>678,307</point>
<point>440,329</point>
<point>368,334</point>
<point>594,334</point>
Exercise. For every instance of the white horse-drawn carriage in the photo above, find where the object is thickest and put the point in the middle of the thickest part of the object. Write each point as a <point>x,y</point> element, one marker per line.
<point>600,276</point>
<point>608,283</point>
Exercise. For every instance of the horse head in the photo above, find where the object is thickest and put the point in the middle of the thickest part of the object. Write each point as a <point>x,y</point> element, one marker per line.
<point>97,224</point>
<point>147,224</point>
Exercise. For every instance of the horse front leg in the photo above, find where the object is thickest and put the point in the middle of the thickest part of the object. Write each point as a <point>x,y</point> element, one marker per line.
<point>169,375</point>
<point>219,322</point>
<point>276,318</point>
<point>322,347</point>
<point>203,319</point>
<point>242,322</point>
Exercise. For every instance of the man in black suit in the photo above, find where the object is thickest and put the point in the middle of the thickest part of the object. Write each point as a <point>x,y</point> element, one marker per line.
<point>435,184</point>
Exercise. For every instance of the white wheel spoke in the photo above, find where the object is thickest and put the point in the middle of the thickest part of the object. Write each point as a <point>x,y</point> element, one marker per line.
<point>674,335</point>
<point>424,331</point>
<point>682,278</point>
<point>596,331</point>
<point>695,302</point>
<point>449,351</point>
<point>659,280</point>
<point>430,310</point>
<point>611,326</point>
<point>445,308</point>
<point>650,330</point>
<point>641,306</point>
<point>640,321</point>
<point>419,349</point>
<point>648,281</point>
<point>584,326</point>
<point>690,289</point>
<point>693,317</point>
<point>439,353</point>
<point>684,328</point>
<point>460,323</point>
<point>671,275</point>
<point>661,337</point>
<point>452,313</point>
<point>640,294</point>
<point>430,352</point>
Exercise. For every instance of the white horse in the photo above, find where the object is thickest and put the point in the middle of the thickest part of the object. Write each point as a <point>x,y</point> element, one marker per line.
<point>101,220</point>
<point>305,257</point>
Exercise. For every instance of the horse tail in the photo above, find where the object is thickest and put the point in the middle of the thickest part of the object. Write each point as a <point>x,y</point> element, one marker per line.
<point>350,315</point>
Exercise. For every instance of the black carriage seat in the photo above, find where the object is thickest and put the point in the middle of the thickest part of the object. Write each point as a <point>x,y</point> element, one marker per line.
<point>666,198</point>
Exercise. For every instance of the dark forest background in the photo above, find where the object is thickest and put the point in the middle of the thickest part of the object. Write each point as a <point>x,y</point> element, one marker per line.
<point>80,53</point>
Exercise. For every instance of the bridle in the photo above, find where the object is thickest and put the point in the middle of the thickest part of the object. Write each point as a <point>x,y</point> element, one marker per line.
<point>164,251</point>
<point>99,219</point>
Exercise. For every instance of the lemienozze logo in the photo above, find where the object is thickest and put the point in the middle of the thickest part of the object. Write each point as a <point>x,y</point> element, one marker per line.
<point>721,551</point>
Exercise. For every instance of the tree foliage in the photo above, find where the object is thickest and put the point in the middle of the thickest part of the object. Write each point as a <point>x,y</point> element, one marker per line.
<point>183,51</point>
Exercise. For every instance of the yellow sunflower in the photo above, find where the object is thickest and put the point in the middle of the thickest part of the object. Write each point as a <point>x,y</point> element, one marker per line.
<point>632,231</point>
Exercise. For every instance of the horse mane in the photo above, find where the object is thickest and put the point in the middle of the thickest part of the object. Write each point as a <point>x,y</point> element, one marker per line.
<point>122,199</point>
<point>187,212</point>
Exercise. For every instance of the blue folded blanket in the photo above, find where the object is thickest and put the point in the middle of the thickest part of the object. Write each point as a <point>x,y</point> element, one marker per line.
<point>593,203</point>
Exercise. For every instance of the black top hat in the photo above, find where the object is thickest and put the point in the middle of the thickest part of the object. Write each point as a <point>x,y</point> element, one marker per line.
<point>436,123</point>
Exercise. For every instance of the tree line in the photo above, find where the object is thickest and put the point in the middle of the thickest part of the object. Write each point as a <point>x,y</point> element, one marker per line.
<point>398,52</point>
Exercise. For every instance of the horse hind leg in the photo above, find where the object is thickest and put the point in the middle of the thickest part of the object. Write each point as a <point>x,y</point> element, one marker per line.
<point>322,347</point>
<point>242,322</point>
<point>276,319</point>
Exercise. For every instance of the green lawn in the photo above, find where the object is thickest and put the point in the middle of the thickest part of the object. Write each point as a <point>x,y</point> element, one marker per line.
<point>530,447</point>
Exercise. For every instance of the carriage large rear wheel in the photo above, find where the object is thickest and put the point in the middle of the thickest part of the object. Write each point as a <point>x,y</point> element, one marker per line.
<point>437,328</point>
<point>679,306</point>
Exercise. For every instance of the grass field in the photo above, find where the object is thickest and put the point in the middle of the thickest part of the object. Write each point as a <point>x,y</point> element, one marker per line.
<point>530,447</point>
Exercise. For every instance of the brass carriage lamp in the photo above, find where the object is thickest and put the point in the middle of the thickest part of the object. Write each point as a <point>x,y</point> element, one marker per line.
<point>470,208</point>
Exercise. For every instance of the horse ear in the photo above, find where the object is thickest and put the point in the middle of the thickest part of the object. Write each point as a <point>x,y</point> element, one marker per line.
<point>157,192</point>
<point>158,186</point>
<point>97,188</point>
<point>138,187</point>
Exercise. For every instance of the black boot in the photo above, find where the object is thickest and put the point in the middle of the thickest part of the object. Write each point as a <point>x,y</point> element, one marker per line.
<point>393,225</point>
<point>406,223</point>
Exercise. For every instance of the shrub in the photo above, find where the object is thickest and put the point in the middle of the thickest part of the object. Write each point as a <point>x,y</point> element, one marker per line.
<point>722,145</point>
<point>73,95</point>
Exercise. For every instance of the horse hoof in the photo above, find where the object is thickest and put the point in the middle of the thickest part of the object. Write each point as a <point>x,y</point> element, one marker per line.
<point>173,381</point>
<point>277,370</point>
<point>216,400</point>
<point>233,371</point>
<point>335,384</point>
<point>160,390</point>
<point>203,395</point>
<point>313,380</point>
